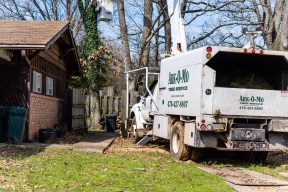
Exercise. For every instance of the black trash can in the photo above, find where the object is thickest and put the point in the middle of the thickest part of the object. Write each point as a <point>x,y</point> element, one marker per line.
<point>111,122</point>
<point>16,118</point>
<point>46,135</point>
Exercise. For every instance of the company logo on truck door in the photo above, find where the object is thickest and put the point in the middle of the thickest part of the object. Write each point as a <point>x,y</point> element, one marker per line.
<point>251,103</point>
<point>182,76</point>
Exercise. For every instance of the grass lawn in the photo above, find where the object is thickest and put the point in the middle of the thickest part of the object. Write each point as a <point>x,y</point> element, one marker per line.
<point>35,169</point>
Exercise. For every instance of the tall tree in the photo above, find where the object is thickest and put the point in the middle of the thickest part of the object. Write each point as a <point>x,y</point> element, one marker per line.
<point>284,34</point>
<point>147,27</point>
<point>124,34</point>
<point>167,26</point>
<point>93,68</point>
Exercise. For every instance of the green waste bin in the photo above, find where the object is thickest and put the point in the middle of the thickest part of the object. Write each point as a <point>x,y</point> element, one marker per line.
<point>2,114</point>
<point>16,124</point>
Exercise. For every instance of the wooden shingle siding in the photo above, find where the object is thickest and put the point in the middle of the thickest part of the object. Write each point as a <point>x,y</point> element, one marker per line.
<point>44,66</point>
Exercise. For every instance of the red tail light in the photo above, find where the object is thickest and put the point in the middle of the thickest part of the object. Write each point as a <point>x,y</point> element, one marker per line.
<point>209,49</point>
<point>203,127</point>
<point>253,50</point>
<point>245,50</point>
<point>261,51</point>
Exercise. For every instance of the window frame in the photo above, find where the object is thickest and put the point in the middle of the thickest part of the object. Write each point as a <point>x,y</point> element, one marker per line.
<point>48,85</point>
<point>37,74</point>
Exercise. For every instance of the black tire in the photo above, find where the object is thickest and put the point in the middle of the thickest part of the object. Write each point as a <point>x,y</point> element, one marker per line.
<point>178,149</point>
<point>197,154</point>
<point>133,132</point>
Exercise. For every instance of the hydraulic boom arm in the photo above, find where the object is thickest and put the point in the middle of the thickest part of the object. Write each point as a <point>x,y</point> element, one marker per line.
<point>177,27</point>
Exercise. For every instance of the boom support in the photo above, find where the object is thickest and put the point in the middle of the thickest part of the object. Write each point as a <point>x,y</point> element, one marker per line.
<point>179,44</point>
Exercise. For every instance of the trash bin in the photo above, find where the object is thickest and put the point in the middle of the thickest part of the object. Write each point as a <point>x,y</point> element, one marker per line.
<point>111,122</point>
<point>2,114</point>
<point>16,118</point>
<point>46,135</point>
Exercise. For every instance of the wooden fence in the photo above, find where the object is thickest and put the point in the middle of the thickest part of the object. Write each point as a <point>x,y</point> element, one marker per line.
<point>110,104</point>
<point>78,109</point>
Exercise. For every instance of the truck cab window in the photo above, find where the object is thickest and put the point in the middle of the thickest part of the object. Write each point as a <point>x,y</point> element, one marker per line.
<point>151,88</point>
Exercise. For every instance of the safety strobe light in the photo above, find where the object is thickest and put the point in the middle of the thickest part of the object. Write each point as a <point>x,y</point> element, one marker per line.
<point>209,49</point>
<point>203,121</point>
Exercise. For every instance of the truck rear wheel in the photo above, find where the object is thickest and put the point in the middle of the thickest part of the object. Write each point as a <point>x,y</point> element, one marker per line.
<point>133,131</point>
<point>178,149</point>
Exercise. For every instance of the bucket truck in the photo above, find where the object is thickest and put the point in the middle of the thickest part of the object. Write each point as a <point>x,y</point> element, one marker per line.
<point>195,104</point>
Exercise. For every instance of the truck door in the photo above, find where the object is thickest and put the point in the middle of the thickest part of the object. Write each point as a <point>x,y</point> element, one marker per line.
<point>147,103</point>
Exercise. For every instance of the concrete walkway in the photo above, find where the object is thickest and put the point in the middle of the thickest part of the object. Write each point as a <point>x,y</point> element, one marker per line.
<point>96,142</point>
<point>244,180</point>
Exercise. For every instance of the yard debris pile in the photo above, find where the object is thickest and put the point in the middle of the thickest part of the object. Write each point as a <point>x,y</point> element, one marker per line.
<point>245,80</point>
<point>70,138</point>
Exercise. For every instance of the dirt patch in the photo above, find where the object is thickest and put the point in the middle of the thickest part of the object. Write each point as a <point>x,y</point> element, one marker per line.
<point>121,145</point>
<point>14,151</point>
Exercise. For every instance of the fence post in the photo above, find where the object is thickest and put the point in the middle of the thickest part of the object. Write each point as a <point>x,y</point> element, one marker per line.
<point>123,115</point>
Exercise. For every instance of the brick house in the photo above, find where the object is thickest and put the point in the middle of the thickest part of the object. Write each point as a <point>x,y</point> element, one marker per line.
<point>38,59</point>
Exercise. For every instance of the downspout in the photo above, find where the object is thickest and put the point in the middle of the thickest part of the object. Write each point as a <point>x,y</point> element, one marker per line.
<point>28,92</point>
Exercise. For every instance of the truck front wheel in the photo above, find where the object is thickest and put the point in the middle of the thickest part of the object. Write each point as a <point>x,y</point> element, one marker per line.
<point>178,149</point>
<point>133,131</point>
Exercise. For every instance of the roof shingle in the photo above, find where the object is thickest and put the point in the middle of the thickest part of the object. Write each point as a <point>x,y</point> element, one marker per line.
<point>29,33</point>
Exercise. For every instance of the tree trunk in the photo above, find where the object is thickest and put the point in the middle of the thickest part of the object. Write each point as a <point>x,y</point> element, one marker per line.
<point>147,25</point>
<point>167,27</point>
<point>91,43</point>
<point>125,42</point>
<point>284,34</point>
<point>94,111</point>
<point>124,34</point>
<point>272,21</point>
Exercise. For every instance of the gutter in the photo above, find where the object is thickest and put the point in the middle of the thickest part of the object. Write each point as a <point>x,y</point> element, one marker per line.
<point>23,47</point>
